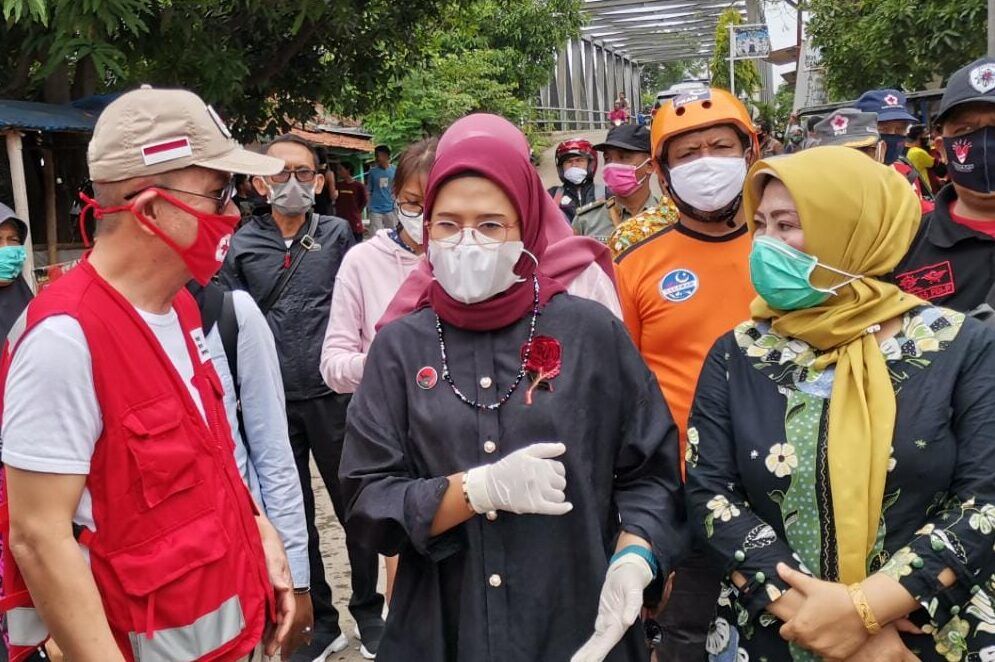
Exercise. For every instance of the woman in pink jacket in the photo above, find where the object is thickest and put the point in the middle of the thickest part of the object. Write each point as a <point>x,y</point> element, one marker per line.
<point>370,276</point>
<point>372,273</point>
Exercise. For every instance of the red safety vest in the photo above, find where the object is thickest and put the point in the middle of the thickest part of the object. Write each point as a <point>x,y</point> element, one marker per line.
<point>176,555</point>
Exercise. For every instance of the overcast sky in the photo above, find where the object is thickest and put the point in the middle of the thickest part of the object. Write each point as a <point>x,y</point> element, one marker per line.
<point>781,18</point>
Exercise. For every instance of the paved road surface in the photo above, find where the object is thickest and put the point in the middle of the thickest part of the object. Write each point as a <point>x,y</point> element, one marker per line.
<point>336,565</point>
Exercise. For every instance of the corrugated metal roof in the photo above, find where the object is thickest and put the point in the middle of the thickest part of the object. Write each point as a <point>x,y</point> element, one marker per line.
<point>329,139</point>
<point>50,117</point>
<point>657,30</point>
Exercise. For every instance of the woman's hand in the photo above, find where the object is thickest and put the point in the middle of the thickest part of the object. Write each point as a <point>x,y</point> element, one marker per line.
<point>887,646</point>
<point>827,622</point>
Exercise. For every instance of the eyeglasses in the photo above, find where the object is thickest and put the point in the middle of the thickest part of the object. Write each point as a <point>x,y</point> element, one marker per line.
<point>488,233</point>
<point>303,175</point>
<point>222,201</point>
<point>409,209</point>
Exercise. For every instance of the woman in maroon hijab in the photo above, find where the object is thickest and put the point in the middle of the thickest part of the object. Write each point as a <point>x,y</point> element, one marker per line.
<point>508,441</point>
<point>582,265</point>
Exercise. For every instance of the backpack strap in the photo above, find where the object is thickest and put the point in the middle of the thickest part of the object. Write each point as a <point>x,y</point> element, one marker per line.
<point>304,246</point>
<point>913,177</point>
<point>228,330</point>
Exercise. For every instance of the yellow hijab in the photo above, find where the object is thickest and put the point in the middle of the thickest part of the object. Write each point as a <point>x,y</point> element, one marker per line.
<point>860,217</point>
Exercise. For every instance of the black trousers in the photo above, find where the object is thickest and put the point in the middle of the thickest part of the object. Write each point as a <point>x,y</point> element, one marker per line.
<point>317,427</point>
<point>689,612</point>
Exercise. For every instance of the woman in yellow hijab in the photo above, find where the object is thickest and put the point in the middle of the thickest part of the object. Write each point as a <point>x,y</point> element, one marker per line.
<point>841,459</point>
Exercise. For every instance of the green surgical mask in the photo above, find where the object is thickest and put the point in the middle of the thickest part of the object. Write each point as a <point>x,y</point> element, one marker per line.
<point>12,261</point>
<point>782,275</point>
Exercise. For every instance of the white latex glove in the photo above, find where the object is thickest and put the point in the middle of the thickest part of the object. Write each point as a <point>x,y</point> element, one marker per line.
<point>621,601</point>
<point>527,481</point>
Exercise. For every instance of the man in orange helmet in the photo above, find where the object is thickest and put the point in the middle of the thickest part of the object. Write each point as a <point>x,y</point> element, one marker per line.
<point>686,285</point>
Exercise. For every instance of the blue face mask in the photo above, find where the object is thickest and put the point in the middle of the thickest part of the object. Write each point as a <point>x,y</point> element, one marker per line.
<point>896,147</point>
<point>782,275</point>
<point>11,261</point>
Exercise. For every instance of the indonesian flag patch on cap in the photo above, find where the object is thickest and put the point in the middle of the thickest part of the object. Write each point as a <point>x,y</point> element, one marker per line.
<point>166,150</point>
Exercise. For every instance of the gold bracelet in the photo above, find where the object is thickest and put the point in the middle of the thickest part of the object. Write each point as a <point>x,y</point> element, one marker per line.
<point>863,608</point>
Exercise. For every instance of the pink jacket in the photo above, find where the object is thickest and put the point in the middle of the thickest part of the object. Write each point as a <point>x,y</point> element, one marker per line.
<point>367,281</point>
<point>370,276</point>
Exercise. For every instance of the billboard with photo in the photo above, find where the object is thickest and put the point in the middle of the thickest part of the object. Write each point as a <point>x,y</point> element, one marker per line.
<point>750,41</point>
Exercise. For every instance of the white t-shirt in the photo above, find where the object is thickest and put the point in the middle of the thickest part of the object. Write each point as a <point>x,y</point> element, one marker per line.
<point>51,417</point>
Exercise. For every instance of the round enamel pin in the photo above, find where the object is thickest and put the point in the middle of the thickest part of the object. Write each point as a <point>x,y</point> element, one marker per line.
<point>427,378</point>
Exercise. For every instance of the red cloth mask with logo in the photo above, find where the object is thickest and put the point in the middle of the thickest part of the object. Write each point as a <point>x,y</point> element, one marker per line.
<point>203,257</point>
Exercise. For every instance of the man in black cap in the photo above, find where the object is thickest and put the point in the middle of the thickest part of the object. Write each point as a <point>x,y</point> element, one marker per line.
<point>952,261</point>
<point>627,173</point>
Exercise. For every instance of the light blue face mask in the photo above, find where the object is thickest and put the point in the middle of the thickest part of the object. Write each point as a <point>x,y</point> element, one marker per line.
<point>782,275</point>
<point>12,261</point>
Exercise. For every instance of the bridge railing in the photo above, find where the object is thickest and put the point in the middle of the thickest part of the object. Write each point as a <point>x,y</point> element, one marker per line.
<point>554,118</point>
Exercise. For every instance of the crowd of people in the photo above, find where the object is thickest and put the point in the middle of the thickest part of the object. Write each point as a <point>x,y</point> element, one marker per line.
<point>750,419</point>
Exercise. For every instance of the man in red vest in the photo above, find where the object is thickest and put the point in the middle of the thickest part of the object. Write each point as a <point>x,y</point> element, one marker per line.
<point>131,534</point>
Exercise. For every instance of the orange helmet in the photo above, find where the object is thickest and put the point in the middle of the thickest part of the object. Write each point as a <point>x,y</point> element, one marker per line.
<point>698,109</point>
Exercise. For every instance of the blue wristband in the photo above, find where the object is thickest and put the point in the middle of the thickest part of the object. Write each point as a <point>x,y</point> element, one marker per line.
<point>646,555</point>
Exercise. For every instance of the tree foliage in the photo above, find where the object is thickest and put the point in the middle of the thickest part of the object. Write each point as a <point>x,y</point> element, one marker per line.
<point>747,72</point>
<point>264,64</point>
<point>776,113</point>
<point>493,57</point>
<point>868,44</point>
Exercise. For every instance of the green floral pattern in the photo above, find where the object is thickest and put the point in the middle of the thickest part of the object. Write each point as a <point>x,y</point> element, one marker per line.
<point>774,487</point>
<point>799,503</point>
<point>790,362</point>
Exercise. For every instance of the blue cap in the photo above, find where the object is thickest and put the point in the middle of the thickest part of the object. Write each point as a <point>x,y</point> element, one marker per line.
<point>888,104</point>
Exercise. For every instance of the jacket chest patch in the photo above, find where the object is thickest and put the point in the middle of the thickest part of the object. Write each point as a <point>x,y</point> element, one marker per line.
<point>931,282</point>
<point>679,285</point>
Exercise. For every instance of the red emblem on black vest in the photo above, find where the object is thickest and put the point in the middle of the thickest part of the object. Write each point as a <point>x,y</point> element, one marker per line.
<point>932,282</point>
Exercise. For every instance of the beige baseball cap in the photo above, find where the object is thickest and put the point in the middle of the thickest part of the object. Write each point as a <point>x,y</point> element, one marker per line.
<point>150,131</point>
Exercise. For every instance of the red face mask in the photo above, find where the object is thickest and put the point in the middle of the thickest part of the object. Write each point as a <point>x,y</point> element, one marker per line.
<point>203,257</point>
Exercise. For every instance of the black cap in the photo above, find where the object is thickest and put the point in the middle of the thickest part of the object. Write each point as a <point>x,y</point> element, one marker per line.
<point>633,137</point>
<point>975,82</point>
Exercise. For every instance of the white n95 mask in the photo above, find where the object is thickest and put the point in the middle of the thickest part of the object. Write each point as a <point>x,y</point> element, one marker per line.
<point>471,272</point>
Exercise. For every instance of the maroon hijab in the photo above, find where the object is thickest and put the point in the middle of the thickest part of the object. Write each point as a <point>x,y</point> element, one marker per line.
<point>564,257</point>
<point>496,160</point>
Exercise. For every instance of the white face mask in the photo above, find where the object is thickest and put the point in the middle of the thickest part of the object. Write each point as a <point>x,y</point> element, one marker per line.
<point>709,183</point>
<point>414,226</point>
<point>575,175</point>
<point>470,272</point>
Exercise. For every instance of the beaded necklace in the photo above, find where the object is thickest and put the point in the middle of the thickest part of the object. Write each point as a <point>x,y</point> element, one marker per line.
<point>521,371</point>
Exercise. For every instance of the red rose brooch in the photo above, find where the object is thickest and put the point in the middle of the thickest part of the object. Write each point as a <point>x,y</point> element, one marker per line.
<point>543,364</point>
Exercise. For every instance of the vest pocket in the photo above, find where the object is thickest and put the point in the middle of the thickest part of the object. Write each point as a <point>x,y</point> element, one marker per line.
<point>152,564</point>
<point>164,452</point>
<point>175,582</point>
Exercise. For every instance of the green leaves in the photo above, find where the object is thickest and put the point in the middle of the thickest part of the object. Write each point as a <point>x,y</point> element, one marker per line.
<point>492,57</point>
<point>16,10</point>
<point>264,65</point>
<point>895,43</point>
